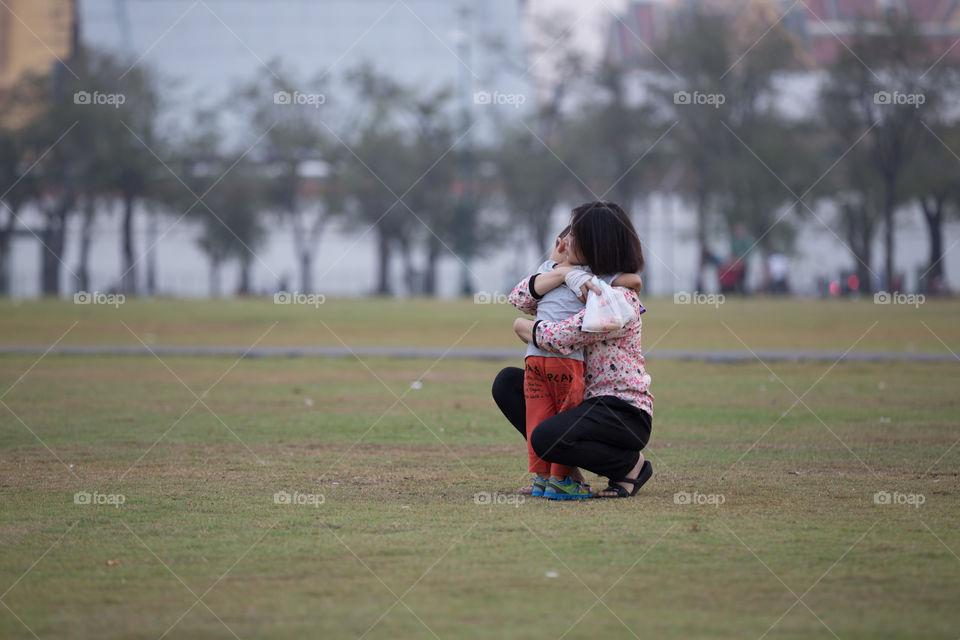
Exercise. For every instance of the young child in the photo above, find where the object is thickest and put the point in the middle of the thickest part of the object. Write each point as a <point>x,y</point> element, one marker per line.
<point>553,383</point>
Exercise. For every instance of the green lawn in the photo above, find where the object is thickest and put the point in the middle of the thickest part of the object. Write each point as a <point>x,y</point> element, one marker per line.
<point>400,548</point>
<point>760,323</point>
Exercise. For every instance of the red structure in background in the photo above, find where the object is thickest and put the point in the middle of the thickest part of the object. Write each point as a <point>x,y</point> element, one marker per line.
<point>822,28</point>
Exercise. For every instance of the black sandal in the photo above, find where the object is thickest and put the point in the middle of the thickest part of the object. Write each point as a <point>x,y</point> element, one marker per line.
<point>646,472</point>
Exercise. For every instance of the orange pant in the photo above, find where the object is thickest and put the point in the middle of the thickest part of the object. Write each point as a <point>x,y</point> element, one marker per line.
<point>550,385</point>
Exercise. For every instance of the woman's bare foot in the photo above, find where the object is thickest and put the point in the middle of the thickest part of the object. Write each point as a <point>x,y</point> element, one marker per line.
<point>633,475</point>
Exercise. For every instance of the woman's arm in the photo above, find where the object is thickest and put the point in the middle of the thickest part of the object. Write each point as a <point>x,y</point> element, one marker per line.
<point>568,336</point>
<point>523,299</point>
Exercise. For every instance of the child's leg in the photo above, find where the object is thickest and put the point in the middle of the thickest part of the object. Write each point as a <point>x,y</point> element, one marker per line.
<point>539,407</point>
<point>565,377</point>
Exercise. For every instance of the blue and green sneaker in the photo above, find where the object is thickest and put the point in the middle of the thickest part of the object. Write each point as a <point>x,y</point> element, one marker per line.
<point>539,485</point>
<point>566,489</point>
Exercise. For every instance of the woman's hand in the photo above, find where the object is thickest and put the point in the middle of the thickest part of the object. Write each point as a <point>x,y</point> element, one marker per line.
<point>630,281</point>
<point>523,327</point>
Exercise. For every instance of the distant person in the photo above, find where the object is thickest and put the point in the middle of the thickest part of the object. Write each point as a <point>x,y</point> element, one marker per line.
<point>730,276</point>
<point>741,244</point>
<point>778,266</point>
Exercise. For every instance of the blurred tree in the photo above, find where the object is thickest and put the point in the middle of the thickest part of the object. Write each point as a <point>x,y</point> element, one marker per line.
<point>931,180</point>
<point>304,164</point>
<point>531,179</point>
<point>233,192</point>
<point>432,197</point>
<point>738,152</point>
<point>232,225</point>
<point>55,137</point>
<point>79,144</point>
<point>611,140</point>
<point>881,90</point>
<point>857,200</point>
<point>546,155</point>
<point>17,187</point>
<point>381,166</point>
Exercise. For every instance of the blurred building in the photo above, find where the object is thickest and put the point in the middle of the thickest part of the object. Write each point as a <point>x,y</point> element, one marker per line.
<point>34,36</point>
<point>207,48</point>
<point>821,27</point>
<point>203,51</point>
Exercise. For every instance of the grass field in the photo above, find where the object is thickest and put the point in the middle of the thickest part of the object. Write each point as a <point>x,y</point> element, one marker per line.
<point>410,526</point>
<point>760,323</point>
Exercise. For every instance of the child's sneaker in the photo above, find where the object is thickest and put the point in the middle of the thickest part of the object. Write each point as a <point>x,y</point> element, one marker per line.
<point>566,489</point>
<point>539,486</point>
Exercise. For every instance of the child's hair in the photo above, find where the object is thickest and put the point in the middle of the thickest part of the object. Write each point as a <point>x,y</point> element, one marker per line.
<point>563,234</point>
<point>606,238</point>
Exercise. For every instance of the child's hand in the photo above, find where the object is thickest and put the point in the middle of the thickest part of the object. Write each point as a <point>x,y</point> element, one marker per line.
<point>523,327</point>
<point>629,281</point>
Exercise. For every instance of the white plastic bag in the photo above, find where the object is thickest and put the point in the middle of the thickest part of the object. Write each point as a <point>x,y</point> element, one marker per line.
<point>606,311</point>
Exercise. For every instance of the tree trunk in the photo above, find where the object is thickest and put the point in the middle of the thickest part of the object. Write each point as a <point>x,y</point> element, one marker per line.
<point>703,250</point>
<point>243,287</point>
<point>889,205</point>
<point>409,269</point>
<point>52,247</point>
<point>306,270</point>
<point>306,238</point>
<point>83,261</point>
<point>860,238</point>
<point>933,214</point>
<point>430,284</point>
<point>383,263</point>
<point>864,256</point>
<point>151,254</point>
<point>128,281</point>
<point>6,235</point>
<point>214,277</point>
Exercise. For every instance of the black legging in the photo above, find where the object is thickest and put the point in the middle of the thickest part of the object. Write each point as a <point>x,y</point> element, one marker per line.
<point>603,435</point>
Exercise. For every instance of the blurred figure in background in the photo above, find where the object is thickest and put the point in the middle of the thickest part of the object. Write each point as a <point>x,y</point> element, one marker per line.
<point>740,245</point>
<point>778,266</point>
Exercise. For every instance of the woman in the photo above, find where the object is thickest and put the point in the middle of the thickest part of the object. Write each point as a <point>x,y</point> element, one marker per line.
<point>606,433</point>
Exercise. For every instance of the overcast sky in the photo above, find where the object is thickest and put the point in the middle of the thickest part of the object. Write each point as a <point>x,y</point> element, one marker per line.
<point>590,18</point>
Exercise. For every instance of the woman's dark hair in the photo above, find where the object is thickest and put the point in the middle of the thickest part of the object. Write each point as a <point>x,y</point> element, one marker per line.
<point>563,234</point>
<point>606,239</point>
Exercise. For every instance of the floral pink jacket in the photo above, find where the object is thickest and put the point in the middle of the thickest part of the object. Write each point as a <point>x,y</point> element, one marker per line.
<point>613,364</point>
